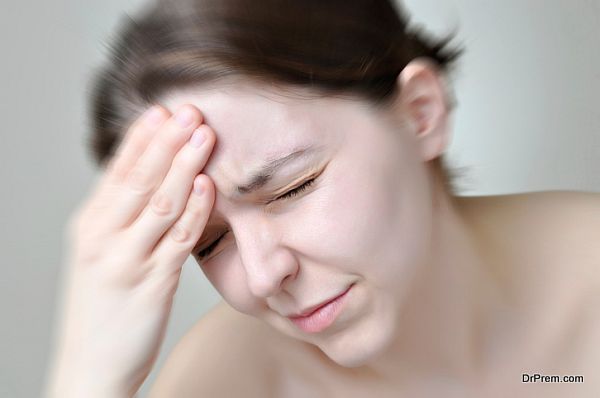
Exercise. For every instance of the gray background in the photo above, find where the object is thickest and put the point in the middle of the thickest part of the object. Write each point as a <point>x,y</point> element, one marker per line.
<point>527,120</point>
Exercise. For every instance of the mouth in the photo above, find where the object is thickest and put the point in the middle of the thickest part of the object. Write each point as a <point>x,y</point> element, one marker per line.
<point>320,317</point>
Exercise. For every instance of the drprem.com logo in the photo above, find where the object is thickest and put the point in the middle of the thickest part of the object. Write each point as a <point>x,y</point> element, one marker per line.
<point>538,378</point>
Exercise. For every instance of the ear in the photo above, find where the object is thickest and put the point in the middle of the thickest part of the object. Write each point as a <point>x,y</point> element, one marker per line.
<point>422,100</point>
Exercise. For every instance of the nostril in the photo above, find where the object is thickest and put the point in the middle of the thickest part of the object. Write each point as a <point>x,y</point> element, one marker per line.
<point>285,279</point>
<point>268,285</point>
<point>267,272</point>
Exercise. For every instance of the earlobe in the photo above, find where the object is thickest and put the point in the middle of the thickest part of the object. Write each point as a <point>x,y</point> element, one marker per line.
<point>423,103</point>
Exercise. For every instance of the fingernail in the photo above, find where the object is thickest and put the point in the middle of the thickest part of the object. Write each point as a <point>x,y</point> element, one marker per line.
<point>184,117</point>
<point>198,189</point>
<point>198,138</point>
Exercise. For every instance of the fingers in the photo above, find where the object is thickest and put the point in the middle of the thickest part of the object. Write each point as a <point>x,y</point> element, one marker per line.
<point>177,243</point>
<point>131,148</point>
<point>135,143</point>
<point>171,197</point>
<point>152,166</point>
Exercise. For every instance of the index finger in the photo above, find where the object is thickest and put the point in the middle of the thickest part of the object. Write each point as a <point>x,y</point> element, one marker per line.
<point>135,142</point>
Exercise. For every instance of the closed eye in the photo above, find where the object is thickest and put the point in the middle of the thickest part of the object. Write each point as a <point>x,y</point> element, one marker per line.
<point>210,248</point>
<point>203,253</point>
<point>293,192</point>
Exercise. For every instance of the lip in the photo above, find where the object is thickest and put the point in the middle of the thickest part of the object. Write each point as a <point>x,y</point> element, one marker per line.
<point>320,317</point>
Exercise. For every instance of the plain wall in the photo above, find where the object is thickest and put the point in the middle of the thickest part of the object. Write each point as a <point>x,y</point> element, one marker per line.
<point>527,120</point>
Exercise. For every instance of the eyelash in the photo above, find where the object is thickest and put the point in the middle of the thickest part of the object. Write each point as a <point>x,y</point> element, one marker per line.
<point>296,191</point>
<point>289,194</point>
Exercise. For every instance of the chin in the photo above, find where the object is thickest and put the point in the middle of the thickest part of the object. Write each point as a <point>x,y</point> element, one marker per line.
<point>362,345</point>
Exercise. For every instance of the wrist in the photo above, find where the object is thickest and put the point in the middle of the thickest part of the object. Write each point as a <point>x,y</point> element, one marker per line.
<point>79,388</point>
<point>65,382</point>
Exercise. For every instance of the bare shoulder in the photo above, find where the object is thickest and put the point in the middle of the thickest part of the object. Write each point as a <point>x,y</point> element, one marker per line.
<point>556,203</point>
<point>565,225</point>
<point>221,344</point>
<point>564,219</point>
<point>546,234</point>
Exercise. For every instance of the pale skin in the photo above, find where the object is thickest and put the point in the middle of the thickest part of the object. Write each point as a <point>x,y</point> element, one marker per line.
<point>449,297</point>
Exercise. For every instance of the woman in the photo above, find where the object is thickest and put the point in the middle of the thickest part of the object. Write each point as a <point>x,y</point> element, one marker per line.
<point>295,149</point>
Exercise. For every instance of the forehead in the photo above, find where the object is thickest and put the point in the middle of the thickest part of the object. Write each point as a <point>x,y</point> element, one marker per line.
<point>253,124</point>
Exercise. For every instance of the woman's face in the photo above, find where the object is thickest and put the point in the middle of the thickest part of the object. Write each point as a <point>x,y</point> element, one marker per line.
<point>363,222</point>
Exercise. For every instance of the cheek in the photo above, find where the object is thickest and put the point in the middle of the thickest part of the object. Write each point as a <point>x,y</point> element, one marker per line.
<point>373,221</point>
<point>343,223</point>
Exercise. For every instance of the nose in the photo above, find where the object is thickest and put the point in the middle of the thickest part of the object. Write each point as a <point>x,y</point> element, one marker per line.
<point>267,263</point>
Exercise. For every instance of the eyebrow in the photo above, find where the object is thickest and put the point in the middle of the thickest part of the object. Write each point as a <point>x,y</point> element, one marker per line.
<point>266,172</point>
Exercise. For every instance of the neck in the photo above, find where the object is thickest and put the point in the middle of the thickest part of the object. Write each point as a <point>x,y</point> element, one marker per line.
<point>443,322</point>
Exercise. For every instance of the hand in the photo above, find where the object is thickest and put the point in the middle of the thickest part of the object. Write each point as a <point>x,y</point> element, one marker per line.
<point>127,244</point>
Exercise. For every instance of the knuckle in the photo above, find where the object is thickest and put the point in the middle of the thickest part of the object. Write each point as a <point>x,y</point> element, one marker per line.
<point>180,234</point>
<point>196,208</point>
<point>140,181</point>
<point>161,203</point>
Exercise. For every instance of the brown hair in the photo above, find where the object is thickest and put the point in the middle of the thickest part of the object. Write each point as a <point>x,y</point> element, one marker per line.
<point>333,47</point>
